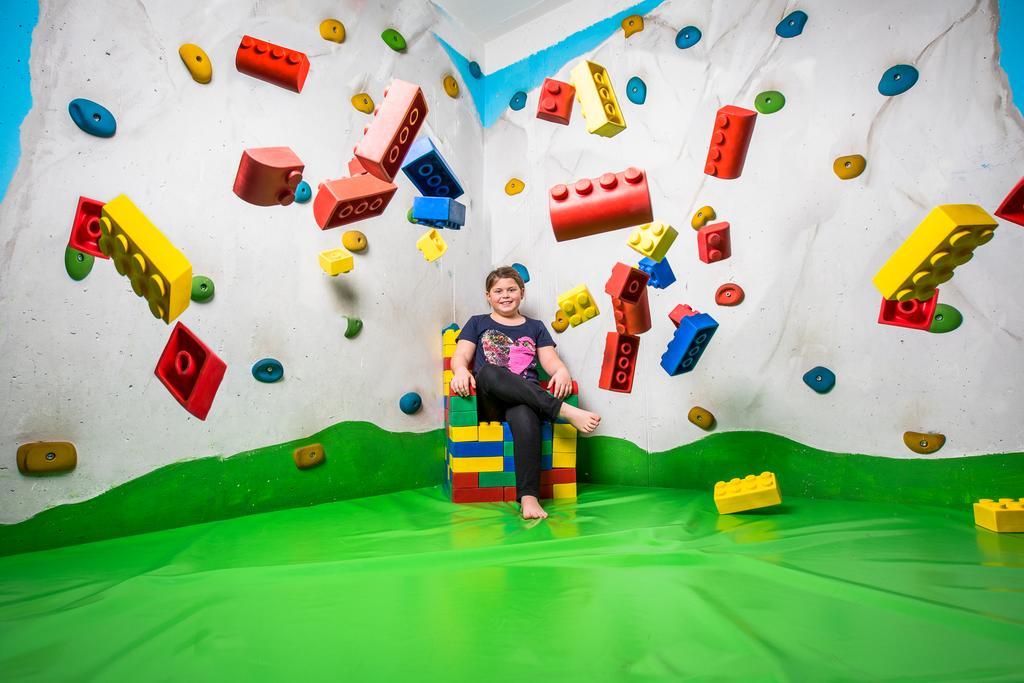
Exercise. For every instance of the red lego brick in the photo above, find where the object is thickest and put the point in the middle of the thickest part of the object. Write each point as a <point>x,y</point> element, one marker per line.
<point>627,283</point>
<point>354,167</point>
<point>347,200</point>
<point>729,142</point>
<point>559,475</point>
<point>680,312</point>
<point>85,229</point>
<point>632,318</point>
<point>556,100</point>
<point>465,480</point>
<point>190,371</point>
<point>917,315</point>
<point>488,494</point>
<point>509,494</point>
<point>619,364</point>
<point>572,392</point>
<point>592,206</point>
<point>393,128</point>
<point>1012,208</point>
<point>268,176</point>
<point>447,363</point>
<point>272,63</point>
<point>713,242</point>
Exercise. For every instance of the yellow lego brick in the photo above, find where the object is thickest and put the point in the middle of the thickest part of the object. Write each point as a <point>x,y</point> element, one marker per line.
<point>579,306</point>
<point>450,336</point>
<point>448,350</point>
<point>945,239</point>
<point>563,445</point>
<point>597,100</point>
<point>491,431</point>
<point>336,261</point>
<point>431,244</point>
<point>448,375</point>
<point>565,431</point>
<point>652,240</point>
<point>753,491</point>
<point>488,463</point>
<point>563,490</point>
<point>563,459</point>
<point>464,433</point>
<point>1004,516</point>
<point>157,270</point>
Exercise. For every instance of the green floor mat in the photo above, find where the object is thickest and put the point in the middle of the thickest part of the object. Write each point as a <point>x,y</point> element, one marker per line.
<point>623,583</point>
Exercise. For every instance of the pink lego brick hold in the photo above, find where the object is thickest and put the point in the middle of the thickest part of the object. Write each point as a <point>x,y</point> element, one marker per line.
<point>729,142</point>
<point>347,200</point>
<point>268,176</point>
<point>1012,208</point>
<point>679,312</point>
<point>272,63</point>
<point>592,206</point>
<point>85,229</point>
<point>556,100</point>
<point>713,243</point>
<point>393,128</point>
<point>913,314</point>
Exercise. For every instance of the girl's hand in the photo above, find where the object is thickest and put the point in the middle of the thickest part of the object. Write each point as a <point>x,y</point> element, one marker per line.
<point>561,383</point>
<point>462,380</point>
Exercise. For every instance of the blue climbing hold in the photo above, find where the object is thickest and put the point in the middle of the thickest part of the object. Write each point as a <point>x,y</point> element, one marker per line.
<point>636,90</point>
<point>897,80</point>
<point>303,193</point>
<point>410,403</point>
<point>688,36</point>
<point>268,370</point>
<point>94,119</point>
<point>474,70</point>
<point>518,101</point>
<point>820,379</point>
<point>792,24</point>
<point>523,272</point>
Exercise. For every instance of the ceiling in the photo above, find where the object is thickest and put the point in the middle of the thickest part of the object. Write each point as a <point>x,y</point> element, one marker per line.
<point>489,18</point>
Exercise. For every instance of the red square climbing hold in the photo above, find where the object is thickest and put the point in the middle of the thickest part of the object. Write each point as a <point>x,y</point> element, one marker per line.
<point>626,283</point>
<point>619,364</point>
<point>713,242</point>
<point>347,200</point>
<point>85,230</point>
<point>555,102</point>
<point>917,315</point>
<point>1012,208</point>
<point>190,371</point>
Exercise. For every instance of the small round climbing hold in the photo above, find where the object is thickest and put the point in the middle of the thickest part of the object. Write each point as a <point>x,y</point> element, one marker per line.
<point>946,318</point>
<point>687,37</point>
<point>78,263</point>
<point>769,102</point>
<point>451,86</point>
<point>202,289</point>
<point>514,186</point>
<point>268,370</point>
<point>636,90</point>
<point>701,218</point>
<point>701,417</point>
<point>363,102</point>
<point>729,294</point>
<point>792,24</point>
<point>849,167</point>
<point>197,62</point>
<point>897,80</point>
<point>303,192</point>
<point>353,240</point>
<point>408,217</point>
<point>523,272</point>
<point>820,379</point>
<point>923,443</point>
<point>634,23</point>
<point>353,326</point>
<point>332,30</point>
<point>561,321</point>
<point>518,101</point>
<point>394,39</point>
<point>94,119</point>
<point>410,403</point>
<point>475,71</point>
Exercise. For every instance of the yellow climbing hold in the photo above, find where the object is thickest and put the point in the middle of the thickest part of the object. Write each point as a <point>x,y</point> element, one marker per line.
<point>514,186</point>
<point>363,103</point>
<point>703,215</point>
<point>197,62</point>
<point>451,86</point>
<point>924,443</point>
<point>332,30</point>
<point>561,321</point>
<point>633,24</point>
<point>353,240</point>
<point>849,167</point>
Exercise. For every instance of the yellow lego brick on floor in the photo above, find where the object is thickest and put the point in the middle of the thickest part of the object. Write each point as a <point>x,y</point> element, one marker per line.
<point>563,445</point>
<point>563,490</point>
<point>157,270</point>
<point>564,431</point>
<point>945,239</point>
<point>464,433</point>
<point>334,262</point>
<point>579,306</point>
<point>491,431</point>
<point>1005,515</point>
<point>596,96</point>
<point>448,350</point>
<point>652,240</point>
<point>450,336</point>
<point>563,459</point>
<point>431,244</point>
<point>753,491</point>
<point>489,463</point>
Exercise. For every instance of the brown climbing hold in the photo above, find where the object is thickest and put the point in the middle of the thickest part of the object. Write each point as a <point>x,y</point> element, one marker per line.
<point>702,418</point>
<point>923,443</point>
<point>729,294</point>
<point>46,457</point>
<point>308,456</point>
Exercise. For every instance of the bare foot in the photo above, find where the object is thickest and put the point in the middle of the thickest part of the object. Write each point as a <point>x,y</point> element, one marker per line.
<point>583,420</point>
<point>531,508</point>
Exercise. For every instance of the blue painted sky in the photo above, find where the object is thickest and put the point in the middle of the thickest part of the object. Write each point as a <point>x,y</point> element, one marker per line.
<point>15,41</point>
<point>1011,44</point>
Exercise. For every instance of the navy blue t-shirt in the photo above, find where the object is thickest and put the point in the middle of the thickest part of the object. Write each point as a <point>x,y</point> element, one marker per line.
<point>508,346</point>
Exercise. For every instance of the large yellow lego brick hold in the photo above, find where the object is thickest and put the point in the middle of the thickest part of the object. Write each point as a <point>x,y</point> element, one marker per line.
<point>1005,515</point>
<point>945,239</point>
<point>652,240</point>
<point>563,490</point>
<point>597,100</point>
<point>156,269</point>
<point>334,262</point>
<point>753,491</point>
<point>489,463</point>
<point>464,433</point>
<point>578,305</point>
<point>563,459</point>
<point>491,431</point>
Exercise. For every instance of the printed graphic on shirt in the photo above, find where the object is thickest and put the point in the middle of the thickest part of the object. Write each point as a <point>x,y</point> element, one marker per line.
<point>500,350</point>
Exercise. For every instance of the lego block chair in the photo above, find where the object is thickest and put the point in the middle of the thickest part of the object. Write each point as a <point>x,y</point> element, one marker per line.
<point>478,457</point>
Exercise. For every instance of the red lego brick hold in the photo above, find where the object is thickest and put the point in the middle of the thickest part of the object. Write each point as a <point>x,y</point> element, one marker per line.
<point>620,352</point>
<point>85,229</point>
<point>487,494</point>
<point>190,371</point>
<point>680,312</point>
<point>347,200</point>
<point>632,318</point>
<point>558,475</point>
<point>268,176</point>
<point>592,206</point>
<point>713,242</point>
<point>393,128</point>
<point>354,167</point>
<point>916,315</point>
<point>509,494</point>
<point>272,63</point>
<point>627,283</point>
<point>1012,208</point>
<point>556,100</point>
<point>465,480</point>
<point>729,142</point>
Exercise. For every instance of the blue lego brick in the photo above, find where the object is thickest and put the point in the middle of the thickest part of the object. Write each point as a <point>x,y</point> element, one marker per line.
<point>545,462</point>
<point>688,343</point>
<point>660,272</point>
<point>439,212</point>
<point>547,431</point>
<point>475,449</point>
<point>510,464</point>
<point>429,172</point>
<point>507,431</point>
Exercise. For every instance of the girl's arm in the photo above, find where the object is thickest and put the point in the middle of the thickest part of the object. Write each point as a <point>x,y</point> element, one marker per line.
<point>561,382</point>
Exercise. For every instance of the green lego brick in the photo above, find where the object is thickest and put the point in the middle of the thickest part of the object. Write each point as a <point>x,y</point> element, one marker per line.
<point>462,404</point>
<point>542,374</point>
<point>546,447</point>
<point>465,419</point>
<point>509,449</point>
<point>497,479</point>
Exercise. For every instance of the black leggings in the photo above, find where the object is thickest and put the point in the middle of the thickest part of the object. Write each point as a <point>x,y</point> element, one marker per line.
<point>523,404</point>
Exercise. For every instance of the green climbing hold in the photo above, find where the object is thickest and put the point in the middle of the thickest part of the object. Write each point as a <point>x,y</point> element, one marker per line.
<point>945,319</point>
<point>352,327</point>
<point>394,39</point>
<point>202,289</point>
<point>408,217</point>
<point>78,263</point>
<point>770,101</point>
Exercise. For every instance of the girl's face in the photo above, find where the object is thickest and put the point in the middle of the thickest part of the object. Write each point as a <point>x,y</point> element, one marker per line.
<point>505,296</point>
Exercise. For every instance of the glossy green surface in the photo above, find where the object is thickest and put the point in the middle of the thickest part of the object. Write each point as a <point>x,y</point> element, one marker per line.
<point>945,319</point>
<point>78,263</point>
<point>353,326</point>
<point>769,101</point>
<point>202,289</point>
<point>394,39</point>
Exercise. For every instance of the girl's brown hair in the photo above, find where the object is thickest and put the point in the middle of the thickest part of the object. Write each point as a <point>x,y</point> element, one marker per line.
<point>503,271</point>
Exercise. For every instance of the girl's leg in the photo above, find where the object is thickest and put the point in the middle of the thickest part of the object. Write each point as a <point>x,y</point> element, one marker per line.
<point>514,390</point>
<point>525,426</point>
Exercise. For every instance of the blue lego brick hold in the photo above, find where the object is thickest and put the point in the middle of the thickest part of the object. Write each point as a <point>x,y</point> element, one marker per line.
<point>509,464</point>
<point>506,431</point>
<point>547,431</point>
<point>439,212</point>
<point>688,343</point>
<point>429,172</point>
<point>475,449</point>
<point>545,462</point>
<point>660,272</point>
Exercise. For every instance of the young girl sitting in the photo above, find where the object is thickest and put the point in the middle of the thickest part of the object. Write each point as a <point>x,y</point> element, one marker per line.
<point>504,348</point>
